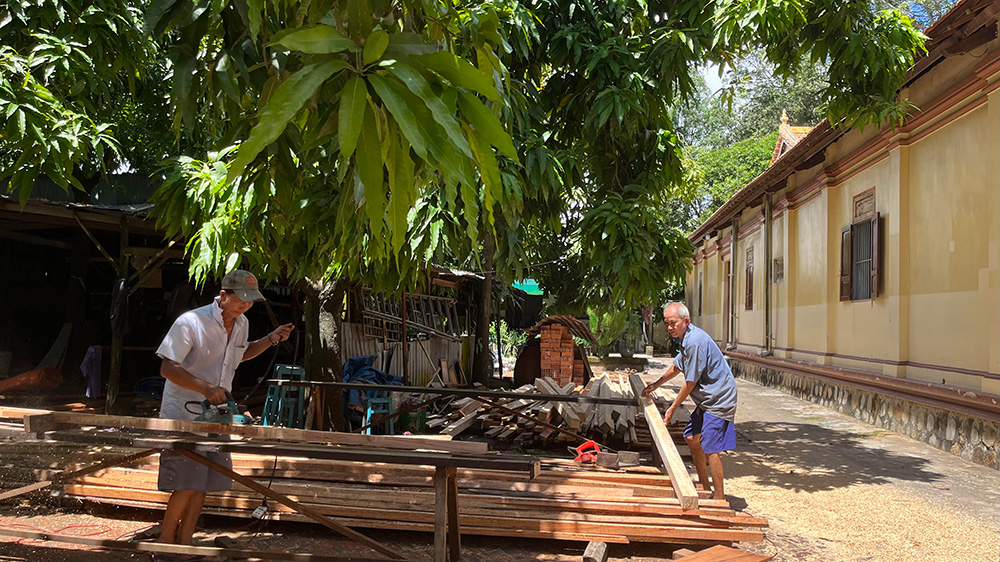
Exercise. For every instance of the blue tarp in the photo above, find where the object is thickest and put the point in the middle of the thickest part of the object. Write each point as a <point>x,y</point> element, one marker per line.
<point>360,370</point>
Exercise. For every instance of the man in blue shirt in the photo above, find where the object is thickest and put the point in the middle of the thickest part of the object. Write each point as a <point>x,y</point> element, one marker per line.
<point>710,383</point>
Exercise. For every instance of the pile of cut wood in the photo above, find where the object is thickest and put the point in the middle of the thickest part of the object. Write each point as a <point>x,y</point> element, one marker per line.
<point>607,423</point>
<point>565,501</point>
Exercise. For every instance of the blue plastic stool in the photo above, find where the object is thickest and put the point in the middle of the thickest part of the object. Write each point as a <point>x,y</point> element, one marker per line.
<point>379,407</point>
<point>285,405</point>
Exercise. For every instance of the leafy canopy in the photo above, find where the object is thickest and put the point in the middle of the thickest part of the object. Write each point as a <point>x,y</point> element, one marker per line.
<point>66,71</point>
<point>364,137</point>
<point>354,139</point>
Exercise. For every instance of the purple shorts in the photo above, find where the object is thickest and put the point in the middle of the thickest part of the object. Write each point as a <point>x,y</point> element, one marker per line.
<point>717,434</point>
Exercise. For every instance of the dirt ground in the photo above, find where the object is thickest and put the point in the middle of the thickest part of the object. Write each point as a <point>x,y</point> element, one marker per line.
<point>832,488</point>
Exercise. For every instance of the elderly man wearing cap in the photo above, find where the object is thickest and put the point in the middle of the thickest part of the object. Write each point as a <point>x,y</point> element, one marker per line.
<point>200,354</point>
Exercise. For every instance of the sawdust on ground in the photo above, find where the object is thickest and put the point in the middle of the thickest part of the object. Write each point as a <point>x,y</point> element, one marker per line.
<point>864,522</point>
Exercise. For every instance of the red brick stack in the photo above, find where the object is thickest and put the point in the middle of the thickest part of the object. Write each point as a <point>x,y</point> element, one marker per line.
<point>557,355</point>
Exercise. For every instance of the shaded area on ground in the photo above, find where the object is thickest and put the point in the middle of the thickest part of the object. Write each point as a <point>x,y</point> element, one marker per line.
<point>822,458</point>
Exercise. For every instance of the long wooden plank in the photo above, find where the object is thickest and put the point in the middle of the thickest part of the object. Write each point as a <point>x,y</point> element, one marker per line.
<point>484,481</point>
<point>358,494</point>
<point>163,548</point>
<point>423,527</point>
<point>50,421</point>
<point>636,530</point>
<point>308,512</point>
<point>680,478</point>
<point>520,463</point>
<point>368,502</point>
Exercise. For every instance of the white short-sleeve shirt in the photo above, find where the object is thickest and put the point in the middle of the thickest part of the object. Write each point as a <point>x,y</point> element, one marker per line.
<point>199,343</point>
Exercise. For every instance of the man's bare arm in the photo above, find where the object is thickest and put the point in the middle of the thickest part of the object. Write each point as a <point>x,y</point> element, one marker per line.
<point>672,372</point>
<point>257,347</point>
<point>681,395</point>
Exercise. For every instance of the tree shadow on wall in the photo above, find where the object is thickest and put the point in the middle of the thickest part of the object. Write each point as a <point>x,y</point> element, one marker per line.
<point>808,458</point>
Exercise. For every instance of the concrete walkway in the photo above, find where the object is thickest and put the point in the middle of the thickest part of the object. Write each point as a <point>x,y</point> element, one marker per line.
<point>835,488</point>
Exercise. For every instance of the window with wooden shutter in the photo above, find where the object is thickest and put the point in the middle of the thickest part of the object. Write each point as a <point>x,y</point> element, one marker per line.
<point>701,293</point>
<point>845,263</point>
<point>859,260</point>
<point>749,299</point>
<point>875,255</point>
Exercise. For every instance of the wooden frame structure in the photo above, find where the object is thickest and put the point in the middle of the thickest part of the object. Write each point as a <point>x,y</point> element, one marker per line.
<point>447,536</point>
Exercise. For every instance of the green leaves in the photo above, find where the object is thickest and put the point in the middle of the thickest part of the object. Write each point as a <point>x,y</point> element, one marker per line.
<point>286,101</point>
<point>401,188</point>
<point>459,72</point>
<point>353,101</point>
<point>369,161</point>
<point>443,115</point>
<point>316,40</point>
<point>486,124</point>
<point>375,46</point>
<point>422,134</point>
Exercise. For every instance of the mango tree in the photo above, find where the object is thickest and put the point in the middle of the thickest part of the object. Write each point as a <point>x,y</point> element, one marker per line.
<point>361,138</point>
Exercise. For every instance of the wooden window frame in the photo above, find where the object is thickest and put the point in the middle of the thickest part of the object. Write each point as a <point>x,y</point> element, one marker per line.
<point>749,279</point>
<point>701,291</point>
<point>848,261</point>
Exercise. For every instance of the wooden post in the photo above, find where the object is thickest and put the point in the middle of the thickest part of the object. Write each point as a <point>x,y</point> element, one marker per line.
<point>116,340</point>
<point>454,534</point>
<point>440,514</point>
<point>406,370</point>
<point>482,365</point>
<point>496,322</point>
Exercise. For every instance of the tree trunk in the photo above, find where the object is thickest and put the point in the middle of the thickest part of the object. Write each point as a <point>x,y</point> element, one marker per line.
<point>482,365</point>
<point>323,360</point>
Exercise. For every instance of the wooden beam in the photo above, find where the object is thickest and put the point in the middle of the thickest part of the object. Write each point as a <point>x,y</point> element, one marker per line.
<point>440,515</point>
<point>680,478</point>
<point>77,473</point>
<point>454,533</point>
<point>468,392</point>
<point>517,463</point>
<point>284,500</point>
<point>164,548</point>
<point>48,422</point>
<point>443,283</point>
<point>25,489</point>
<point>36,240</point>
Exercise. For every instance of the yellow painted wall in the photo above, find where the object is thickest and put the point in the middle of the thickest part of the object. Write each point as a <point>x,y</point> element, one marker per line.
<point>939,297</point>
<point>954,203</point>
<point>866,328</point>
<point>809,270</point>
<point>750,322</point>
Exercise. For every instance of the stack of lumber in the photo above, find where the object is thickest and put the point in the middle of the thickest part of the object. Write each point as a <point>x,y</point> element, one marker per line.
<point>605,423</point>
<point>564,502</point>
<point>618,421</point>
<point>557,355</point>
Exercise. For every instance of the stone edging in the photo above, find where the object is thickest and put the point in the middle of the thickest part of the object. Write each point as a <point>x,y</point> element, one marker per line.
<point>973,439</point>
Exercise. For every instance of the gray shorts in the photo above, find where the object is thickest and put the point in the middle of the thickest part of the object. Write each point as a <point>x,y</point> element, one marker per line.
<point>178,472</point>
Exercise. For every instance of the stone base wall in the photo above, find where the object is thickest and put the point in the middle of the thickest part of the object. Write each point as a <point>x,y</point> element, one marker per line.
<point>971,438</point>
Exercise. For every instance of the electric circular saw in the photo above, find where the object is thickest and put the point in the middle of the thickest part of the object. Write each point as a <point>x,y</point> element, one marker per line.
<point>220,413</point>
